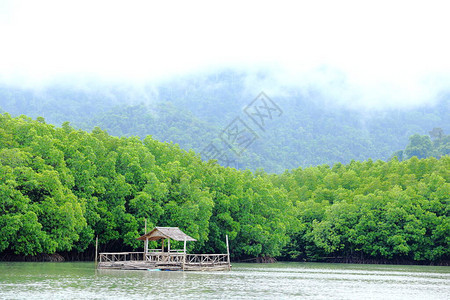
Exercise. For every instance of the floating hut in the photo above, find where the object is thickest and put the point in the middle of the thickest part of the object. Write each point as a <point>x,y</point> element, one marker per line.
<point>165,258</point>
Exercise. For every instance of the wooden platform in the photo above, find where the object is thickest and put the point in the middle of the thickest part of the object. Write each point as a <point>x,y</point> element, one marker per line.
<point>164,258</point>
<point>170,261</point>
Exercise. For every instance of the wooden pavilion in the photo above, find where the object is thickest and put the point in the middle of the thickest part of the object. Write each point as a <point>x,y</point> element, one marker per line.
<point>165,258</point>
<point>165,233</point>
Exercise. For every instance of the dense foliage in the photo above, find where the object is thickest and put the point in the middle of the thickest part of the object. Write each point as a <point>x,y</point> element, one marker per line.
<point>437,144</point>
<point>192,111</point>
<point>60,187</point>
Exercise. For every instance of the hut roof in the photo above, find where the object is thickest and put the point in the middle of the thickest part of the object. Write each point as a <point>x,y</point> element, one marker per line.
<point>173,233</point>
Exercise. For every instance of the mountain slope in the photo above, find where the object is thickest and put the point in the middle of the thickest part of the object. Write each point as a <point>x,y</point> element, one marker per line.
<point>193,112</point>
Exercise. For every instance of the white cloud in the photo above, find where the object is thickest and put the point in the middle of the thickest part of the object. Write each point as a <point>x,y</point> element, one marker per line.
<point>396,50</point>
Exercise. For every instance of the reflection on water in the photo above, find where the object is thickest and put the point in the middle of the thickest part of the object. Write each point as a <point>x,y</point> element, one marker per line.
<point>262,281</point>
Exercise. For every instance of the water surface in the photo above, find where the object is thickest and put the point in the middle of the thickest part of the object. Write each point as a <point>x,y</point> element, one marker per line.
<point>250,281</point>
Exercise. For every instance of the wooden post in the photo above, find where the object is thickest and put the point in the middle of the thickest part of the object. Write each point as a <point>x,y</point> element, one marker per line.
<point>184,253</point>
<point>228,253</point>
<point>96,251</point>
<point>162,245</point>
<point>146,241</point>
<point>168,245</point>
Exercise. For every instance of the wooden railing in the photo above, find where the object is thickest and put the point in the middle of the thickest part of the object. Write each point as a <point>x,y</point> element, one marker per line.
<point>121,256</point>
<point>164,257</point>
<point>206,259</point>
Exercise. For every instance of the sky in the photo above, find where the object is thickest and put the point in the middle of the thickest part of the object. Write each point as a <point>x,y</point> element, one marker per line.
<point>371,53</point>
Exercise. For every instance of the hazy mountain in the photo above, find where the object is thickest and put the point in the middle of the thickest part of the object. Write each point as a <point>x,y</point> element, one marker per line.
<point>297,127</point>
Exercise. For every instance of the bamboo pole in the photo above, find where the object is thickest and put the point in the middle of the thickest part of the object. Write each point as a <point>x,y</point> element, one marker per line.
<point>96,251</point>
<point>184,253</point>
<point>228,252</point>
<point>146,241</point>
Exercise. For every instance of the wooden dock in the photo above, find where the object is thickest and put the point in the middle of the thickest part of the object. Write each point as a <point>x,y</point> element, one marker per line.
<point>165,259</point>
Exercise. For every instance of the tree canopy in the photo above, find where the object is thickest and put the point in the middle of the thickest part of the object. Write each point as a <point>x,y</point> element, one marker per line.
<point>60,187</point>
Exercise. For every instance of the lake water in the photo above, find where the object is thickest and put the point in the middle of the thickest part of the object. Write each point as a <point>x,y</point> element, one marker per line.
<point>250,281</point>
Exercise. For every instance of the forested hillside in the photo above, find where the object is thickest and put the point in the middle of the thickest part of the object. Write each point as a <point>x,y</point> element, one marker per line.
<point>436,144</point>
<point>192,111</point>
<point>60,187</point>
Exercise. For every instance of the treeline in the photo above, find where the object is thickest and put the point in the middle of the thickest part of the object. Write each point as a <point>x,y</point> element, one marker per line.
<point>60,187</point>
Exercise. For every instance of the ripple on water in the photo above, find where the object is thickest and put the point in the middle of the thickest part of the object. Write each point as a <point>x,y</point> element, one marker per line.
<point>256,281</point>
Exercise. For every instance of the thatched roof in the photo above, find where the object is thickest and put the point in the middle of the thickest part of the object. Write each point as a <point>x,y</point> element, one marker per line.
<point>173,233</point>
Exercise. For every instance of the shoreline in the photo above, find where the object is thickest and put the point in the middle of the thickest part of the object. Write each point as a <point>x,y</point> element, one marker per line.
<point>64,257</point>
